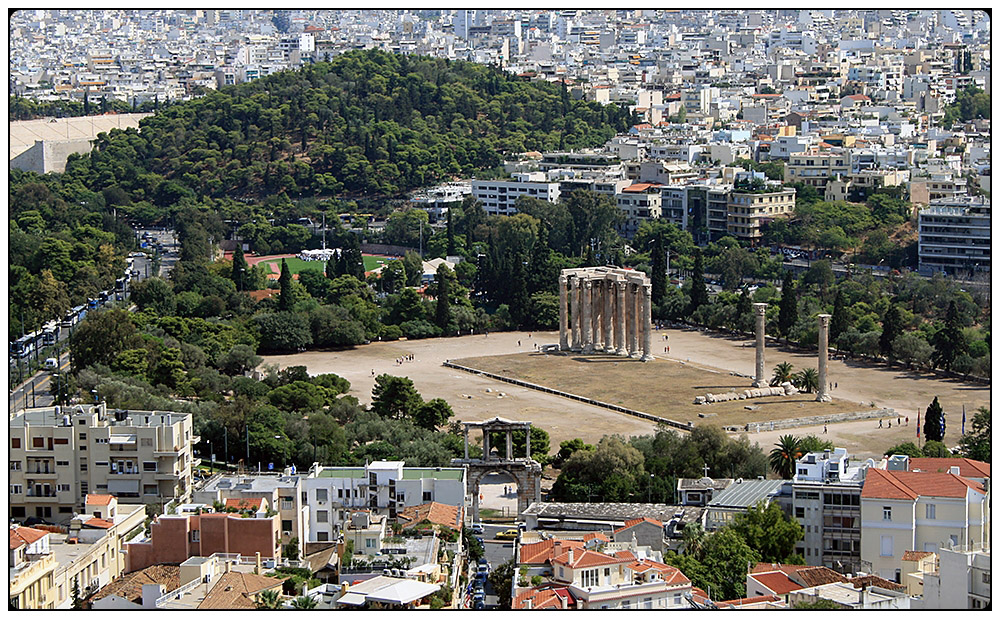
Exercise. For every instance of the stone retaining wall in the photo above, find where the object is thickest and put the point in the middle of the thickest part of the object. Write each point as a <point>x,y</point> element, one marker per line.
<point>873,413</point>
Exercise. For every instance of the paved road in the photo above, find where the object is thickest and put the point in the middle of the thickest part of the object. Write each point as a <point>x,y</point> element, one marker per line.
<point>35,390</point>
<point>497,552</point>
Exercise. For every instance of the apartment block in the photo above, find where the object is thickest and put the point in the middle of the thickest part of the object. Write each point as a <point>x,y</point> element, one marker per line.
<point>619,581</point>
<point>385,488</point>
<point>639,202</point>
<point>962,580</point>
<point>816,169</point>
<point>903,511</point>
<point>31,567</point>
<point>955,236</point>
<point>747,210</point>
<point>58,455</point>
<point>498,197</point>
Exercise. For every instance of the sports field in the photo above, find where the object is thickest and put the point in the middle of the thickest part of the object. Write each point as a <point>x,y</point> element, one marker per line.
<point>297,265</point>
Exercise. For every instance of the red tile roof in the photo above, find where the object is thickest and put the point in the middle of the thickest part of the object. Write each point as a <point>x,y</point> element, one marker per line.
<point>758,599</point>
<point>967,467</point>
<point>22,536</point>
<point>915,555</point>
<point>99,523</point>
<point>881,484</point>
<point>860,582</point>
<point>438,513</point>
<point>244,503</point>
<point>639,187</point>
<point>99,499</point>
<point>587,558</point>
<point>778,582</point>
<point>631,523</point>
<point>762,568</point>
<point>598,536</point>
<point>547,597</point>
<point>625,554</point>
<point>670,574</point>
<point>543,552</point>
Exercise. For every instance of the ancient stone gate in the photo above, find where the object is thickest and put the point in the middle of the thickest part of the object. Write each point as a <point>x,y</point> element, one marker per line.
<point>527,472</point>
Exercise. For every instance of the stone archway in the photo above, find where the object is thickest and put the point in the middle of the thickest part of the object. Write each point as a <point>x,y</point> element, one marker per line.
<point>525,471</point>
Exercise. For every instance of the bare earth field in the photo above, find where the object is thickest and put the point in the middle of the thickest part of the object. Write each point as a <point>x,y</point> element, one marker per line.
<point>858,386</point>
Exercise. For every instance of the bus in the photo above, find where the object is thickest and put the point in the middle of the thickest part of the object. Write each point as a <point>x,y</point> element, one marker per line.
<point>23,347</point>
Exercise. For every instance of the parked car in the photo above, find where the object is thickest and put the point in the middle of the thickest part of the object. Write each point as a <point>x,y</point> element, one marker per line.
<point>51,363</point>
<point>477,527</point>
<point>507,534</point>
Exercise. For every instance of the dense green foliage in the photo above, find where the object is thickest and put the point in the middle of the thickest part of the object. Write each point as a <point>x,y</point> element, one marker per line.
<point>970,104</point>
<point>934,422</point>
<point>977,444</point>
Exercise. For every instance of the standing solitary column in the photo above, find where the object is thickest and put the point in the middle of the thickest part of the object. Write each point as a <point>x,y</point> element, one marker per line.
<point>510,452</point>
<point>574,299</point>
<point>587,326</point>
<point>824,342</point>
<point>527,442</point>
<point>597,309</point>
<point>647,322</point>
<point>563,315</point>
<point>609,288</point>
<point>760,380</point>
<point>465,431</point>
<point>486,444</point>
<point>634,302</point>
<point>620,319</point>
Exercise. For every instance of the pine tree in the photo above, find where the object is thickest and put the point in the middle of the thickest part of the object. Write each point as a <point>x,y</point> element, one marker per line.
<point>949,342</point>
<point>934,422</point>
<point>788,307</point>
<point>451,235</point>
<point>75,593</point>
<point>892,327</point>
<point>659,270</point>
<point>331,266</point>
<point>443,310</point>
<point>240,268</point>
<point>744,312</point>
<point>285,288</point>
<point>839,321</point>
<point>699,293</point>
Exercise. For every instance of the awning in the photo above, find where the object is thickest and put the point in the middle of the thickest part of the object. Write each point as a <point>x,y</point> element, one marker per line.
<point>352,599</point>
<point>123,485</point>
<point>122,439</point>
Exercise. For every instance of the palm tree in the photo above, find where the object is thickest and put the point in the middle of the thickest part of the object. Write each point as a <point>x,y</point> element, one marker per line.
<point>303,602</point>
<point>786,451</point>
<point>807,380</point>
<point>269,600</point>
<point>782,373</point>
<point>693,538</point>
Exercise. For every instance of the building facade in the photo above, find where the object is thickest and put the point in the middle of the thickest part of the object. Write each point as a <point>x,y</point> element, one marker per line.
<point>59,455</point>
<point>498,197</point>
<point>747,210</point>
<point>955,236</point>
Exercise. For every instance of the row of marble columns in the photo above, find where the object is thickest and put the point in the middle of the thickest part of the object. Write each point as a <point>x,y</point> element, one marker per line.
<point>605,310</point>
<point>760,380</point>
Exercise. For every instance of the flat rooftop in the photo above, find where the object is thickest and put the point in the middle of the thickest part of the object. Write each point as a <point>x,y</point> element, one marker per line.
<point>747,493</point>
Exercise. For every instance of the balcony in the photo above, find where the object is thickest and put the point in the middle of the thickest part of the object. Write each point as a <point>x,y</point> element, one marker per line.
<point>32,496</point>
<point>165,475</point>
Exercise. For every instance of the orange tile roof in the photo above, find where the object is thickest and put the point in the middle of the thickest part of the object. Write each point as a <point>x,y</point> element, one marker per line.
<point>909,485</point>
<point>625,554</point>
<point>598,536</point>
<point>438,513</point>
<point>631,523</point>
<point>99,523</point>
<point>779,582</point>
<point>246,503</point>
<point>762,568</point>
<point>129,586</point>
<point>547,597</point>
<point>860,582</point>
<point>25,535</point>
<point>758,599</point>
<point>818,575</point>
<point>99,499</point>
<point>915,555</point>
<point>236,591</point>
<point>542,552</point>
<point>587,558</point>
<point>670,574</point>
<point>639,187</point>
<point>966,467</point>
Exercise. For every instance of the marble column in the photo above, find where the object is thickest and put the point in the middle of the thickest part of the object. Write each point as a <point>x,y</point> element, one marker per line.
<point>823,395</point>
<point>595,315</point>
<point>620,316</point>
<point>760,380</point>
<point>527,443</point>
<point>587,326</point>
<point>634,306</point>
<point>510,449</point>
<point>465,431</point>
<point>609,344</point>
<point>647,322</point>
<point>486,444</point>
<point>574,299</point>
<point>563,315</point>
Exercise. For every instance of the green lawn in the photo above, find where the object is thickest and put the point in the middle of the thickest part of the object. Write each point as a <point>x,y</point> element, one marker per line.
<point>297,265</point>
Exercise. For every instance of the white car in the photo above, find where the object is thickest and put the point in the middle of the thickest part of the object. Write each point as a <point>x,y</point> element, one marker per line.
<point>51,363</point>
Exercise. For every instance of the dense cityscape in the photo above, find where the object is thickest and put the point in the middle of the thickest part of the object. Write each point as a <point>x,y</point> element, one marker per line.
<point>500,309</point>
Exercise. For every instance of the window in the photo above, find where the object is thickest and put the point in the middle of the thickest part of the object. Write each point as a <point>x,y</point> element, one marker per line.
<point>322,516</point>
<point>15,488</point>
<point>61,441</point>
<point>401,497</point>
<point>83,436</point>
<point>322,536</point>
<point>37,442</point>
<point>369,542</point>
<point>83,464</point>
<point>15,443</point>
<point>286,503</point>
<point>588,578</point>
<point>886,513</point>
<point>986,578</point>
<point>931,511</point>
<point>427,496</point>
<point>63,488</point>
<point>65,510</point>
<point>800,512</point>
<point>340,493</point>
<point>953,539</point>
<point>15,465</point>
<point>886,546</point>
<point>62,462</point>
<point>149,467</point>
<point>149,489</point>
<point>321,494</point>
<point>677,599</point>
<point>305,501</point>
<point>196,535</point>
<point>145,442</point>
<point>647,602</point>
<point>286,526</point>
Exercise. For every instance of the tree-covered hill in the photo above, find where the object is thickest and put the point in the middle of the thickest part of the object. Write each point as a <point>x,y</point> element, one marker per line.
<point>366,121</point>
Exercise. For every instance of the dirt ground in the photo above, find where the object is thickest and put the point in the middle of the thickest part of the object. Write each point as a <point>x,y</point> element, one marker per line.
<point>564,419</point>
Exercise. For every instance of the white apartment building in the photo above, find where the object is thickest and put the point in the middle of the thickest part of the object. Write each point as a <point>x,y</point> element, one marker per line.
<point>962,580</point>
<point>331,493</point>
<point>601,581</point>
<point>747,210</point>
<point>955,236</point>
<point>498,197</point>
<point>816,168</point>
<point>903,510</point>
<point>59,455</point>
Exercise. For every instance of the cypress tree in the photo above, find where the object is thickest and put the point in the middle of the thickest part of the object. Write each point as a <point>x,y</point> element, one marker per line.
<point>949,342</point>
<point>239,268</point>
<point>659,270</point>
<point>451,235</point>
<point>331,266</point>
<point>891,329</point>
<point>699,293</point>
<point>285,288</point>
<point>744,311</point>
<point>443,309</point>
<point>934,422</point>
<point>788,307</point>
<point>839,320</point>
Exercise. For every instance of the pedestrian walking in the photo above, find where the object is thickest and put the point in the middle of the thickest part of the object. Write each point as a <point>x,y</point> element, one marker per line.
<point>836,385</point>
<point>519,343</point>
<point>668,349</point>
<point>824,428</point>
<point>907,421</point>
<point>880,423</point>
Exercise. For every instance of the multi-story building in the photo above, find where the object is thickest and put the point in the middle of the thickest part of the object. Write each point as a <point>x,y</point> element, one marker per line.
<point>955,236</point>
<point>816,168</point>
<point>826,501</point>
<point>708,211</point>
<point>59,455</point>
<point>748,209</point>
<point>385,488</point>
<point>962,579</point>
<point>904,510</point>
<point>498,197</point>
<point>598,580</point>
<point>640,202</point>
<point>31,569</point>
